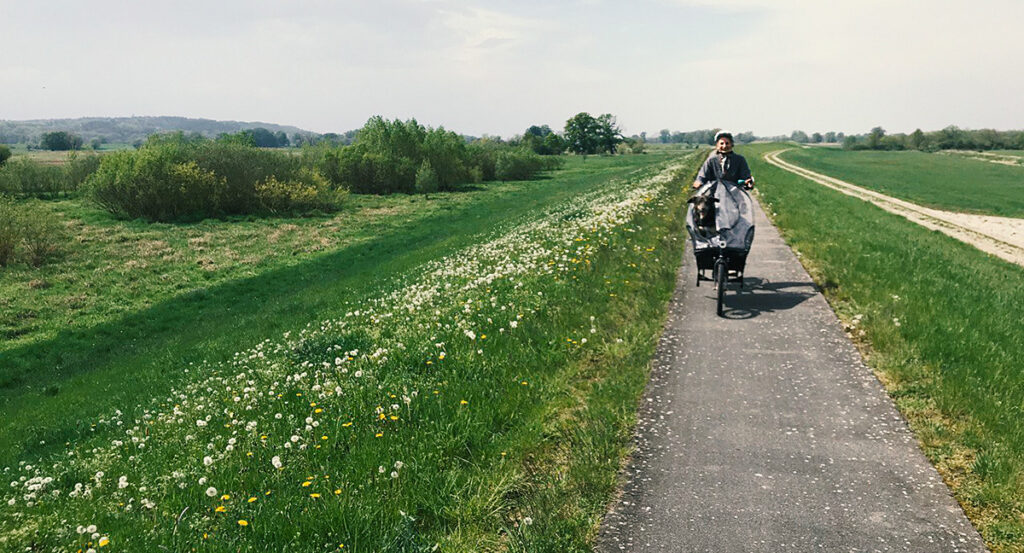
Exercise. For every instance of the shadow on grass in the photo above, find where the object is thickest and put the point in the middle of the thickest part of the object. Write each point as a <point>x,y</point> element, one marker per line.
<point>760,296</point>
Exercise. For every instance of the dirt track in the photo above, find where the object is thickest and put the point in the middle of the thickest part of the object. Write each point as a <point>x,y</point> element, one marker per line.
<point>1000,236</point>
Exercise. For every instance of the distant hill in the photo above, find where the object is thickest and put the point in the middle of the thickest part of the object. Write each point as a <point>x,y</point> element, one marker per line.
<point>128,129</point>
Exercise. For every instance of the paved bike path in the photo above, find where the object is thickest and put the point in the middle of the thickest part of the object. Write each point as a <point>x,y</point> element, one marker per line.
<point>764,431</point>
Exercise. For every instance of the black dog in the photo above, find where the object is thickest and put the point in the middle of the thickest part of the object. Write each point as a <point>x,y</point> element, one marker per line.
<point>704,214</point>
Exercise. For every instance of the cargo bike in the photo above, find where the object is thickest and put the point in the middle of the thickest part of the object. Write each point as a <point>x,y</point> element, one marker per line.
<point>721,240</point>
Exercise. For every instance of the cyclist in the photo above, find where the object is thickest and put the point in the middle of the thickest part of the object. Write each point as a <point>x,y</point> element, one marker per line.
<point>724,164</point>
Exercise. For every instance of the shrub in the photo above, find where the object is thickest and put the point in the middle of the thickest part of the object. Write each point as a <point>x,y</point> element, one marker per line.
<point>79,168</point>
<point>426,178</point>
<point>10,229</point>
<point>33,231</point>
<point>310,193</point>
<point>24,177</point>
<point>172,178</point>
<point>5,154</point>
<point>523,164</point>
<point>42,237</point>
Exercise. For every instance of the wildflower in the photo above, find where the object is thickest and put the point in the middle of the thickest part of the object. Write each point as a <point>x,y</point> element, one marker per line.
<point>252,500</point>
<point>306,484</point>
<point>527,521</point>
<point>221,509</point>
<point>243,522</point>
<point>104,541</point>
<point>463,402</point>
<point>207,461</point>
<point>225,497</point>
<point>211,491</point>
<point>314,495</point>
<point>276,461</point>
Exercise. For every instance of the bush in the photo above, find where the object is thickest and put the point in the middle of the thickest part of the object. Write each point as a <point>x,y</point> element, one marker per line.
<point>10,230</point>
<point>5,154</point>
<point>172,178</point>
<point>426,178</point>
<point>523,164</point>
<point>24,177</point>
<point>79,168</point>
<point>311,193</point>
<point>42,237</point>
<point>33,232</point>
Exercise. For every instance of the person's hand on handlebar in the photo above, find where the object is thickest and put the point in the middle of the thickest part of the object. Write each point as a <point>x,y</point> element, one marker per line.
<point>749,184</point>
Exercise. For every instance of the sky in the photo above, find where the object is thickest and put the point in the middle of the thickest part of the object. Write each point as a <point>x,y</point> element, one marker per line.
<point>767,66</point>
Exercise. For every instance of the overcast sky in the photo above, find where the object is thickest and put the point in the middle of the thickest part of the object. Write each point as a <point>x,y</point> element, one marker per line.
<point>769,66</point>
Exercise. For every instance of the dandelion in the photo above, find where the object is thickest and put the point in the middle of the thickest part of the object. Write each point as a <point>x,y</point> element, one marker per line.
<point>252,500</point>
<point>104,541</point>
<point>207,461</point>
<point>225,497</point>
<point>221,509</point>
<point>211,492</point>
<point>243,522</point>
<point>463,402</point>
<point>306,484</point>
<point>314,495</point>
<point>276,461</point>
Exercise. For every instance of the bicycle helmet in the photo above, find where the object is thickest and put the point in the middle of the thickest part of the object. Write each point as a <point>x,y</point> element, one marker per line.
<point>724,134</point>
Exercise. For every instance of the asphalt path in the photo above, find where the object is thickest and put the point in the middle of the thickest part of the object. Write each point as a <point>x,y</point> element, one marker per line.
<point>764,431</point>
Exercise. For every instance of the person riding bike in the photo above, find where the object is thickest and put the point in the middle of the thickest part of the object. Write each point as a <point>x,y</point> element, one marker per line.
<point>724,164</point>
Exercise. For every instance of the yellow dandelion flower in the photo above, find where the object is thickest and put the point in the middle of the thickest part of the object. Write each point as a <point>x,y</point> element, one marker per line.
<point>323,437</point>
<point>430,362</point>
<point>252,499</point>
<point>104,541</point>
<point>306,484</point>
<point>314,495</point>
<point>524,383</point>
<point>483,336</point>
<point>382,416</point>
<point>337,491</point>
<point>393,417</point>
<point>225,497</point>
<point>379,434</point>
<point>318,410</point>
<point>463,402</point>
<point>221,509</point>
<point>243,522</point>
<point>312,404</point>
<point>347,424</point>
<point>268,492</point>
<point>248,454</point>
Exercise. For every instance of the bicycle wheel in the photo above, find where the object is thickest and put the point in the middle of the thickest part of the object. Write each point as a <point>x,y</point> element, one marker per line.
<point>721,276</point>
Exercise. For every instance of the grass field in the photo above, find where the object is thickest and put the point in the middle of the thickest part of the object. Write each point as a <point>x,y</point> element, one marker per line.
<point>460,371</point>
<point>942,181</point>
<point>937,319</point>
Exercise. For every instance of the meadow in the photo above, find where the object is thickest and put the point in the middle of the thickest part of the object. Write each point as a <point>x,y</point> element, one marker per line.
<point>949,182</point>
<point>459,371</point>
<point>936,319</point>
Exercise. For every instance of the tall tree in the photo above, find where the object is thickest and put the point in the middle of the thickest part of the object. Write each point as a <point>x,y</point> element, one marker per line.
<point>875,138</point>
<point>609,133</point>
<point>582,134</point>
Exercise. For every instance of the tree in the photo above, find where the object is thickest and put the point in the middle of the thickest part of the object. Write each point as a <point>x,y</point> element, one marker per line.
<point>609,133</point>
<point>830,136</point>
<point>817,138</point>
<point>665,136</point>
<point>5,153</point>
<point>582,134</point>
<point>875,138</point>
<point>799,136</point>
<point>60,140</point>
<point>916,140</point>
<point>282,139</point>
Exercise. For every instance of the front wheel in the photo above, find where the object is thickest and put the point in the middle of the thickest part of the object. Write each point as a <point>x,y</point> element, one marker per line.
<point>721,276</point>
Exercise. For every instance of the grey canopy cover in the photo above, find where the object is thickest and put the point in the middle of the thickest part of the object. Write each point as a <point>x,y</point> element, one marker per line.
<point>734,218</point>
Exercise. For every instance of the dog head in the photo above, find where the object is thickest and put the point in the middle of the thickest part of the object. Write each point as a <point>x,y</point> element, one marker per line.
<point>704,209</point>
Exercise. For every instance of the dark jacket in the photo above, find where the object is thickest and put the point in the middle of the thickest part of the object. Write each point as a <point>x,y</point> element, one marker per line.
<point>736,168</point>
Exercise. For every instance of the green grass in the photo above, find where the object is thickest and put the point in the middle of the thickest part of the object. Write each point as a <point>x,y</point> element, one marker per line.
<point>939,322</point>
<point>942,181</point>
<point>529,419</point>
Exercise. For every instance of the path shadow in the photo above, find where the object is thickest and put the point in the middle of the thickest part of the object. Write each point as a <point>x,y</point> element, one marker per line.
<point>763,296</point>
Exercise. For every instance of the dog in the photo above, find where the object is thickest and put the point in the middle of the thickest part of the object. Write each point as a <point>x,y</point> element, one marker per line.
<point>704,214</point>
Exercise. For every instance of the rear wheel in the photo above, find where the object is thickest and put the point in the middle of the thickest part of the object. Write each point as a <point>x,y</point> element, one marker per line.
<point>721,276</point>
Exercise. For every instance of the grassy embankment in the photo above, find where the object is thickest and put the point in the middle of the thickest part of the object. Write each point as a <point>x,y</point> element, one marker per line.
<point>945,182</point>
<point>493,386</point>
<point>938,320</point>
